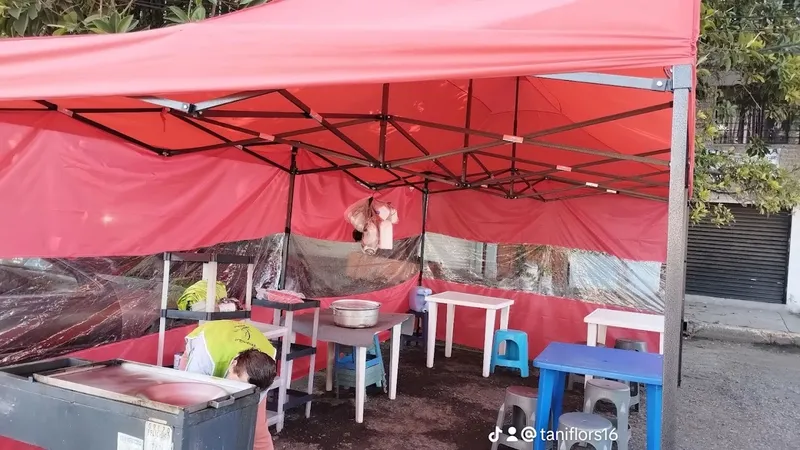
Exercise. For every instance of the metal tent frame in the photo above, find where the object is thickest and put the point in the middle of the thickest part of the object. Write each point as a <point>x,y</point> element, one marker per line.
<point>517,181</point>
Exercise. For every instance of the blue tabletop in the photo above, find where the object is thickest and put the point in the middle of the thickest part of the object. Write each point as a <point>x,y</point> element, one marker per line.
<point>602,362</point>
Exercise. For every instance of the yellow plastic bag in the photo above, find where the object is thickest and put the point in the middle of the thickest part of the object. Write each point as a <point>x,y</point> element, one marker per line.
<point>197,292</point>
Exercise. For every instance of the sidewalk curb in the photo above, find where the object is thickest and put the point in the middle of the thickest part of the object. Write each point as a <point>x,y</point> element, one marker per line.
<point>747,335</point>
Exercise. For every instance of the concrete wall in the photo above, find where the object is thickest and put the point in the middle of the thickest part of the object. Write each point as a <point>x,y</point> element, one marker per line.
<point>793,283</point>
<point>787,155</point>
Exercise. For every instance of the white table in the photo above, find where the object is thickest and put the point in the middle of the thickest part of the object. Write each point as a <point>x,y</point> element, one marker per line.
<point>600,319</point>
<point>360,339</point>
<point>453,299</point>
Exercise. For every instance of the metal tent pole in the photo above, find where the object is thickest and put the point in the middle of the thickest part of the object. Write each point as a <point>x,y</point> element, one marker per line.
<point>467,120</point>
<point>285,370</point>
<point>162,322</point>
<point>288,228</point>
<point>422,235</point>
<point>676,250</point>
<point>514,131</point>
<point>384,123</point>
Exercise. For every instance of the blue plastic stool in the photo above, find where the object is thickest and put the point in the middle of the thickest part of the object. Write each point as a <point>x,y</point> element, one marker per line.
<point>345,367</point>
<point>516,356</point>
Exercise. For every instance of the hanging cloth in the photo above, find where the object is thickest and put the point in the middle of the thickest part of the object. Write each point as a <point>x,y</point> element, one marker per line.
<point>387,219</point>
<point>373,221</point>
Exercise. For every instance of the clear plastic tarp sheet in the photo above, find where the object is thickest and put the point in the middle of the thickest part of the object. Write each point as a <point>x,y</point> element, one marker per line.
<point>547,270</point>
<point>319,268</point>
<point>51,307</point>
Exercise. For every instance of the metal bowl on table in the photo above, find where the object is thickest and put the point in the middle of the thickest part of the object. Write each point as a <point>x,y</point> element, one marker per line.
<point>355,313</point>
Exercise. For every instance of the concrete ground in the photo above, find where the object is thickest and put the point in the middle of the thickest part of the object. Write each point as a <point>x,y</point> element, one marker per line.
<point>739,396</point>
<point>741,321</point>
<point>734,396</point>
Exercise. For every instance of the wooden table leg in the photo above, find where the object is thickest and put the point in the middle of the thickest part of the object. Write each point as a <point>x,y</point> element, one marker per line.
<point>448,338</point>
<point>488,336</point>
<point>361,379</point>
<point>432,312</point>
<point>394,362</point>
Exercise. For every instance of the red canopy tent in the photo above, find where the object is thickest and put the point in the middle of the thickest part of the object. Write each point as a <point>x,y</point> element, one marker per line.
<point>561,122</point>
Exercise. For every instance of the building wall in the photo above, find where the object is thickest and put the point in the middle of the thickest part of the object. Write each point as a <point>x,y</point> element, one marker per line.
<point>793,283</point>
<point>788,156</point>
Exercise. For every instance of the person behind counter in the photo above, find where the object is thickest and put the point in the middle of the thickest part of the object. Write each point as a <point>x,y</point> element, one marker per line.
<point>237,351</point>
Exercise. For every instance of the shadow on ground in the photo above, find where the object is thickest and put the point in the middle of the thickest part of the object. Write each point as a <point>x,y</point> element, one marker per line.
<point>449,407</point>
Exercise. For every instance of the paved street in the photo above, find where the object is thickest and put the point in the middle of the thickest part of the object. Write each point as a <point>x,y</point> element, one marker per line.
<point>739,396</point>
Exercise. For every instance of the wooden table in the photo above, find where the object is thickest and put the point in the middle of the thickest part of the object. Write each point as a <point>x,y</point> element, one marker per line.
<point>360,339</point>
<point>453,299</point>
<point>560,359</point>
<point>600,319</point>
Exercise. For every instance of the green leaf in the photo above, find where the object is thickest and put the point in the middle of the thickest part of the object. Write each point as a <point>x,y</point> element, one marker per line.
<point>14,12</point>
<point>102,27</point>
<point>178,15</point>
<point>70,17</point>
<point>32,13</point>
<point>21,25</point>
<point>125,24</point>
<point>198,14</point>
<point>94,17</point>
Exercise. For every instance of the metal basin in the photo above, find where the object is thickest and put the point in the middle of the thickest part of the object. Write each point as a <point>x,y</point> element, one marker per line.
<point>182,394</point>
<point>355,313</point>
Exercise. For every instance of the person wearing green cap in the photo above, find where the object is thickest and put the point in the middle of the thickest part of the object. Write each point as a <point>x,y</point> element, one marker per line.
<point>238,351</point>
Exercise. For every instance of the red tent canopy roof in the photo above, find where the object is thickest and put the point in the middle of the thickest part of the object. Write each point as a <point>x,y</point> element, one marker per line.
<point>290,43</point>
<point>452,94</point>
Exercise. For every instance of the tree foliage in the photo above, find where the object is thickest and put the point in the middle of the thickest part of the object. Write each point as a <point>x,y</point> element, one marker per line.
<point>746,62</point>
<point>60,17</point>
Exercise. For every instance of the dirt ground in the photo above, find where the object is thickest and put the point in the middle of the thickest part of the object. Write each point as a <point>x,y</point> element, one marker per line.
<point>733,397</point>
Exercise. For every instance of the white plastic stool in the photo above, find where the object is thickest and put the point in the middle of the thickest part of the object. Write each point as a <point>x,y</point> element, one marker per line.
<point>521,401</point>
<point>583,428</point>
<point>617,393</point>
<point>638,346</point>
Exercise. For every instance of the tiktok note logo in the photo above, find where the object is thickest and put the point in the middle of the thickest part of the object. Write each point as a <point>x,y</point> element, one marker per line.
<point>527,434</point>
